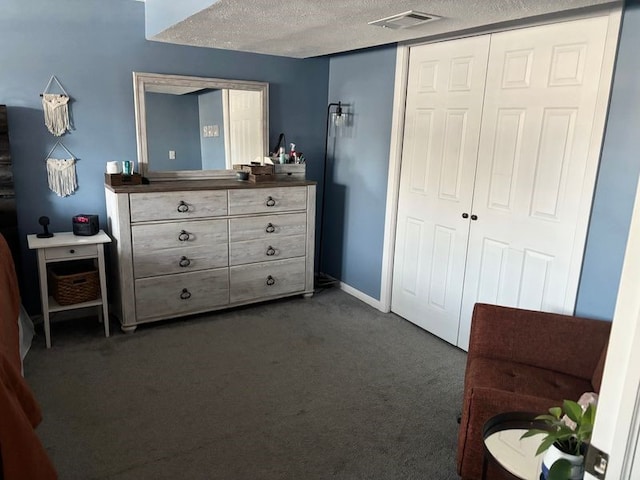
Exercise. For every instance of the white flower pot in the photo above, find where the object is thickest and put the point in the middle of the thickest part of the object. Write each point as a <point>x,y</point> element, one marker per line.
<point>554,454</point>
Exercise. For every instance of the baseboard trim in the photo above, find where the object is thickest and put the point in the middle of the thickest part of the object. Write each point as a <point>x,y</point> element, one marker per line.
<point>363,297</point>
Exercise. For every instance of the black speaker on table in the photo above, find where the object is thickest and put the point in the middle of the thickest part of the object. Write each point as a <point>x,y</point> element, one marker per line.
<point>44,221</point>
<point>85,225</point>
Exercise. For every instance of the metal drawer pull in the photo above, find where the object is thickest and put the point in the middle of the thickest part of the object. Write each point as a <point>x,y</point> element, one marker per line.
<point>271,202</point>
<point>185,295</point>
<point>271,251</point>
<point>72,251</point>
<point>270,280</point>
<point>270,228</point>
<point>183,207</point>
<point>184,236</point>
<point>184,262</point>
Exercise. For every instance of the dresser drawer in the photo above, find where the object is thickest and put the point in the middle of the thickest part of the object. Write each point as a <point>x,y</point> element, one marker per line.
<point>177,205</point>
<point>178,261</point>
<point>181,294</point>
<point>267,226</point>
<point>263,280</point>
<point>71,252</point>
<point>266,250</point>
<point>267,200</point>
<point>179,247</point>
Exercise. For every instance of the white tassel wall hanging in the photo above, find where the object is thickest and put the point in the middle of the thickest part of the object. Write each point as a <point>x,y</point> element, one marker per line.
<point>56,110</point>
<point>61,173</point>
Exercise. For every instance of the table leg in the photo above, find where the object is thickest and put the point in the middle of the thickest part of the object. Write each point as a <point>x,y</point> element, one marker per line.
<point>44,295</point>
<point>103,290</point>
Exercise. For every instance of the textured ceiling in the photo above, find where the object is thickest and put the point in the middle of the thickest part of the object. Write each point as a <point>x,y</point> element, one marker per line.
<point>309,28</point>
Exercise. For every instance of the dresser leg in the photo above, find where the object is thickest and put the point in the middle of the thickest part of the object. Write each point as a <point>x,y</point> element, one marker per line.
<point>307,296</point>
<point>128,328</point>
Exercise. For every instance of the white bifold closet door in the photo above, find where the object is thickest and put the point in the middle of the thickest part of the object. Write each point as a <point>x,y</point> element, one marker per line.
<point>440,147</point>
<point>506,222</point>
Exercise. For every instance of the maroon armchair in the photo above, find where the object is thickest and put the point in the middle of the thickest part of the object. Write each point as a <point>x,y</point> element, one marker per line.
<point>523,360</point>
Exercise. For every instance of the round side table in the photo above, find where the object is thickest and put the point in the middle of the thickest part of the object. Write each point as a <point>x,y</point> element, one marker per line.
<point>504,449</point>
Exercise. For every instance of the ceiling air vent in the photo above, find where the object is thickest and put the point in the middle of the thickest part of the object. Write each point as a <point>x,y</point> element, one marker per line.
<point>405,20</point>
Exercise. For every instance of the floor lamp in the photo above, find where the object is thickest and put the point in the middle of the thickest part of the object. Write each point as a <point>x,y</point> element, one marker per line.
<point>322,280</point>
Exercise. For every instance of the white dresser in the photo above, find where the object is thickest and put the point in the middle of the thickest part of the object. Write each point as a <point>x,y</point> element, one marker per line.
<point>186,247</point>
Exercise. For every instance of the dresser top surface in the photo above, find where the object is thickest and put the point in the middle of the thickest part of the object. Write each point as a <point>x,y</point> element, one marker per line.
<point>216,184</point>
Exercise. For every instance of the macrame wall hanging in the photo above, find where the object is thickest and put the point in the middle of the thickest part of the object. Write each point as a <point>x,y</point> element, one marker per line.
<point>61,172</point>
<point>56,109</point>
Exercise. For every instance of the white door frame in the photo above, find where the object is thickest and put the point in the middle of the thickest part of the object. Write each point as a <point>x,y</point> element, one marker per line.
<point>226,118</point>
<point>617,427</point>
<point>393,178</point>
<point>397,134</point>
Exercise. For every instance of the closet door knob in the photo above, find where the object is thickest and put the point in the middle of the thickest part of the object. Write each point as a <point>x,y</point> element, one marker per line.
<point>270,228</point>
<point>183,207</point>
<point>184,236</point>
<point>270,280</point>
<point>271,251</point>
<point>270,202</point>
<point>185,295</point>
<point>184,262</point>
<point>465,215</point>
<point>474,217</point>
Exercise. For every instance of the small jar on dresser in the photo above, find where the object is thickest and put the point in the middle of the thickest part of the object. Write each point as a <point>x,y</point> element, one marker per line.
<point>187,247</point>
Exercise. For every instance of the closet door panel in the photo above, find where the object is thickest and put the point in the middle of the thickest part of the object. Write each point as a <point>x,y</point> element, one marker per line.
<point>442,129</point>
<point>536,168</point>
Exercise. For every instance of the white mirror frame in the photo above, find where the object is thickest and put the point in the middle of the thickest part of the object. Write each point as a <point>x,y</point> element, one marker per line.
<point>142,80</point>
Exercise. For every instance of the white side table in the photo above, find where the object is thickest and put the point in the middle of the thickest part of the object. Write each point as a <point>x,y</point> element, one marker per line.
<point>63,247</point>
<point>504,448</point>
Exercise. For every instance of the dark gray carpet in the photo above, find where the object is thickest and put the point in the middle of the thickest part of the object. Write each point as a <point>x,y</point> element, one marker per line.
<point>296,389</point>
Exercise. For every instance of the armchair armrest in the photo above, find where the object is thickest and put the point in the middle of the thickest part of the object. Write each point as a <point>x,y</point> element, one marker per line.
<point>562,343</point>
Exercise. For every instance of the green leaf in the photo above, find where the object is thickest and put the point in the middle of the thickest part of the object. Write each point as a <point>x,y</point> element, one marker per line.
<point>564,431</point>
<point>546,418</point>
<point>560,470</point>
<point>532,432</point>
<point>573,410</point>
<point>585,431</point>
<point>589,416</point>
<point>546,443</point>
<point>556,412</point>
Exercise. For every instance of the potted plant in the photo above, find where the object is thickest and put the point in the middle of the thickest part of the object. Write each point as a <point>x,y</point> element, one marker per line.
<point>567,434</point>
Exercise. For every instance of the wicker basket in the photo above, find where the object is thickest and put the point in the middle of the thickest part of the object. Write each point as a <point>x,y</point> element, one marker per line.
<point>74,282</point>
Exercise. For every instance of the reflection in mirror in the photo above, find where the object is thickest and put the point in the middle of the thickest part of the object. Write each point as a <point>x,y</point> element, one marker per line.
<point>179,135</point>
<point>194,127</point>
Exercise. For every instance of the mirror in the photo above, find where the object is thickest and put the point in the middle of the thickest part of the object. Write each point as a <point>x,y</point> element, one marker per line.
<point>197,127</point>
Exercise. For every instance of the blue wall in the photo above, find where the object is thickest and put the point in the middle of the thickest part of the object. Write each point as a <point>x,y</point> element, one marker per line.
<point>356,187</point>
<point>211,113</point>
<point>93,47</point>
<point>357,167</point>
<point>617,180</point>
<point>173,123</point>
